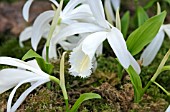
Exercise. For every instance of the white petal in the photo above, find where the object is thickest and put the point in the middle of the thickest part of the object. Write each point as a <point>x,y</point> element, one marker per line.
<point>152,49</point>
<point>116,4</point>
<point>168,109</point>
<point>134,64</point>
<point>52,51</point>
<point>14,91</point>
<point>76,28</point>
<point>25,94</point>
<point>167,29</point>
<point>11,77</point>
<point>92,42</point>
<point>82,12</point>
<point>118,44</point>
<point>98,12</point>
<point>99,50</point>
<point>25,35</point>
<point>70,6</point>
<point>55,2</point>
<point>81,57</point>
<point>39,25</point>
<point>21,64</point>
<point>109,11</point>
<point>84,8</point>
<point>67,46</point>
<point>26,8</point>
<point>34,64</point>
<point>78,16</point>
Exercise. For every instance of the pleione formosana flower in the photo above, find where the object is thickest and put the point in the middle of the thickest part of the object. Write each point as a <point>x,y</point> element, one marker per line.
<point>26,72</point>
<point>72,13</point>
<point>82,55</point>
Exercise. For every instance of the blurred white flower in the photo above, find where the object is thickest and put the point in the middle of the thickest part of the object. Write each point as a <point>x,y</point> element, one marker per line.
<point>27,5</point>
<point>70,14</point>
<point>15,77</point>
<point>168,109</point>
<point>152,49</point>
<point>81,57</point>
<point>109,10</point>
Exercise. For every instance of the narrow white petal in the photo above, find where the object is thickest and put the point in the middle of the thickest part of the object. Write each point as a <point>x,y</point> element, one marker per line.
<point>98,12</point>
<point>167,29</point>
<point>34,64</point>
<point>118,44</point>
<point>25,35</point>
<point>26,93</point>
<point>152,49</point>
<point>134,64</point>
<point>109,11</point>
<point>168,109</point>
<point>116,4</point>
<point>21,64</point>
<point>84,8</point>
<point>67,46</point>
<point>78,16</point>
<point>54,2</point>
<point>76,28</point>
<point>52,51</point>
<point>39,25</point>
<point>92,42</point>
<point>11,77</point>
<point>71,5</point>
<point>26,8</point>
<point>14,91</point>
<point>71,42</point>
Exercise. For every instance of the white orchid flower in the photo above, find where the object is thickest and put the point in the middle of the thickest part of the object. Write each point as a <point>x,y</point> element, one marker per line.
<point>81,57</point>
<point>168,109</point>
<point>109,11</point>
<point>70,14</point>
<point>152,49</point>
<point>15,77</point>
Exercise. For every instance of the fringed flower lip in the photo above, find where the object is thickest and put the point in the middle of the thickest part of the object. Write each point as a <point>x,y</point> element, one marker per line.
<point>26,72</point>
<point>152,49</point>
<point>81,57</point>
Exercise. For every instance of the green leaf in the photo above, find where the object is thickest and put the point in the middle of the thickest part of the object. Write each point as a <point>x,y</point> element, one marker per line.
<point>145,33</point>
<point>168,1</point>
<point>141,15</point>
<point>149,4</point>
<point>137,84</point>
<point>31,54</point>
<point>82,98</point>
<point>45,66</point>
<point>125,23</point>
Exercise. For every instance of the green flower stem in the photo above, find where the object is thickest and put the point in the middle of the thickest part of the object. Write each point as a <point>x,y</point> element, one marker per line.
<point>56,21</point>
<point>62,81</point>
<point>163,89</point>
<point>57,81</point>
<point>158,71</point>
<point>54,79</point>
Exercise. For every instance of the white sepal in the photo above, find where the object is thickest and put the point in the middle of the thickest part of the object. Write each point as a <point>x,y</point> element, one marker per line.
<point>25,10</point>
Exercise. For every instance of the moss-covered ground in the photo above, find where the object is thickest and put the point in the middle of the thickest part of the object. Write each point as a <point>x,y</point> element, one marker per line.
<point>116,95</point>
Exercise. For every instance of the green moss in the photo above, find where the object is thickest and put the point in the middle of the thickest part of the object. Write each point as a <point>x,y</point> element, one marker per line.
<point>11,48</point>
